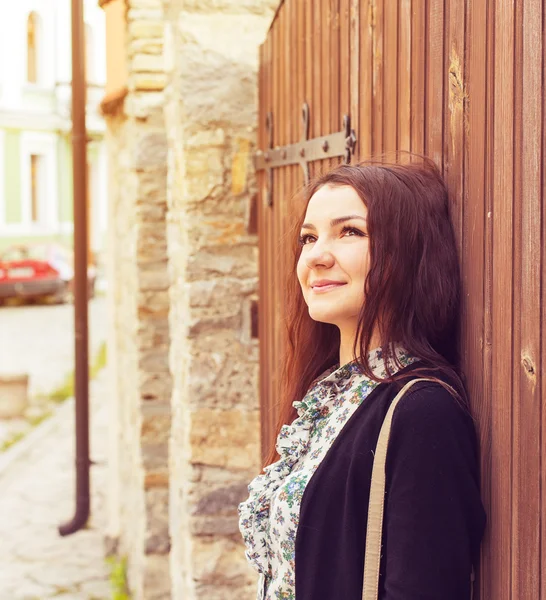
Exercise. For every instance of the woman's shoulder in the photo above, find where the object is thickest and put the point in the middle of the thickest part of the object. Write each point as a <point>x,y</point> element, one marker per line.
<point>431,414</point>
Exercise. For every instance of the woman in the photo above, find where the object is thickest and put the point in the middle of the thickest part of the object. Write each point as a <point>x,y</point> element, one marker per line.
<point>377,305</point>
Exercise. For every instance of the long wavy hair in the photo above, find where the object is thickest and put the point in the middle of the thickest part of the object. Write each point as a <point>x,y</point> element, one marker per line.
<point>412,290</point>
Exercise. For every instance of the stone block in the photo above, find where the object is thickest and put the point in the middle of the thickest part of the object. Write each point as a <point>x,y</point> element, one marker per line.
<point>239,165</point>
<point>147,105</point>
<point>206,138</point>
<point>215,525</point>
<point>156,479</point>
<point>207,325</point>
<point>205,162</point>
<point>153,334</point>
<point>157,4</point>
<point>240,590</point>
<point>153,304</point>
<point>219,561</point>
<point>155,429</point>
<point>239,261</point>
<point>224,438</point>
<point>157,579</point>
<point>217,232</point>
<point>151,151</point>
<point>153,280</point>
<point>157,521</point>
<point>147,63</point>
<point>145,29</point>
<point>222,500</point>
<point>155,387</point>
<point>155,456</point>
<point>262,8</point>
<point>154,360</point>
<point>145,14</point>
<point>148,82</point>
<point>225,380</point>
<point>152,186</point>
<point>220,294</point>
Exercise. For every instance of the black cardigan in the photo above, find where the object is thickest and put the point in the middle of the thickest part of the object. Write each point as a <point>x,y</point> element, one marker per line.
<point>434,518</point>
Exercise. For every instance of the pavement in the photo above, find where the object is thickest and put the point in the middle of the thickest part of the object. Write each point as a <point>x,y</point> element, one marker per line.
<point>39,340</point>
<point>37,474</point>
<point>38,495</point>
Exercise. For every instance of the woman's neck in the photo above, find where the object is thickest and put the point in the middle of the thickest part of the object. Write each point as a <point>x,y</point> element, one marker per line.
<point>347,338</point>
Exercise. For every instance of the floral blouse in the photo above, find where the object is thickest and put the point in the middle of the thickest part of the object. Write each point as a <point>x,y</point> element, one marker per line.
<point>268,519</point>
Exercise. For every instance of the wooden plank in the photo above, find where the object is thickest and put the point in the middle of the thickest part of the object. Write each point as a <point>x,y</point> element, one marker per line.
<point>283,112</point>
<point>262,254</point>
<point>404,75</point>
<point>300,86</point>
<point>500,522</point>
<point>266,341</point>
<point>316,40</point>
<point>418,75</point>
<point>278,139</point>
<point>542,382</point>
<point>390,77</point>
<point>455,100</point>
<point>377,87</point>
<point>365,69</point>
<point>308,14</point>
<point>476,255</point>
<point>290,112</point>
<point>527,407</point>
<point>516,274</point>
<point>354,69</point>
<point>434,137</point>
<point>324,57</point>
<point>333,110</point>
<point>344,58</point>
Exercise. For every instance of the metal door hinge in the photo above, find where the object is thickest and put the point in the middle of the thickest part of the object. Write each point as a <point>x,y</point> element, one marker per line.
<point>341,143</point>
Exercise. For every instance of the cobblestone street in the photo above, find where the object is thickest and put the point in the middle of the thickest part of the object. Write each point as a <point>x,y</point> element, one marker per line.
<point>37,474</point>
<point>37,496</point>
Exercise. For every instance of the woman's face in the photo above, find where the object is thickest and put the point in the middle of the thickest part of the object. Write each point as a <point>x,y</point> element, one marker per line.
<point>334,259</point>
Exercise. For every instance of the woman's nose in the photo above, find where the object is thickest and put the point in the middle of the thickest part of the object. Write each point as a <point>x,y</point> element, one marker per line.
<point>319,255</point>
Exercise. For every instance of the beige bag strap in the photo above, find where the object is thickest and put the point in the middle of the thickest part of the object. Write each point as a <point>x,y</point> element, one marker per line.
<point>376,507</point>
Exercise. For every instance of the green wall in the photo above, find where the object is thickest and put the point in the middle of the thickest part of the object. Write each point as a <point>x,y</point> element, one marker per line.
<point>12,173</point>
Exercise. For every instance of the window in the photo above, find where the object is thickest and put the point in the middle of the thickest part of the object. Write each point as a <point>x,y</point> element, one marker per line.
<point>33,47</point>
<point>36,186</point>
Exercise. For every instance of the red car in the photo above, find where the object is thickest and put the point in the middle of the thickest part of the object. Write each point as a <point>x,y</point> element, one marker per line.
<point>40,271</point>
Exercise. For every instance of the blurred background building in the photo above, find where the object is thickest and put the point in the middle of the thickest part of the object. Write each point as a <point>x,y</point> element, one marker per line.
<point>35,123</point>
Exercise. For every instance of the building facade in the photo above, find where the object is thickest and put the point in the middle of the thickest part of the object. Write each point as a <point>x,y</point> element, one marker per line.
<point>35,123</point>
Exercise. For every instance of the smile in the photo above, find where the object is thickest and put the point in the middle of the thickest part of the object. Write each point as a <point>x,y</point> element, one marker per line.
<point>320,289</point>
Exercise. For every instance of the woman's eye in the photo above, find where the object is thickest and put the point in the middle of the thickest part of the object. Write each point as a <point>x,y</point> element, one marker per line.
<point>353,230</point>
<point>303,239</point>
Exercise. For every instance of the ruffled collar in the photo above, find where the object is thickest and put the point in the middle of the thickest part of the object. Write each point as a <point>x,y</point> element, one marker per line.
<point>293,441</point>
<point>338,379</point>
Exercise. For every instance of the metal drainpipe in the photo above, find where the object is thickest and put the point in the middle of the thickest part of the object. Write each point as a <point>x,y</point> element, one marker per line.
<point>79,160</point>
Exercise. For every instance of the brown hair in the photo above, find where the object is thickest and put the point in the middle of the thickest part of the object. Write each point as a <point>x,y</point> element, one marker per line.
<point>412,290</point>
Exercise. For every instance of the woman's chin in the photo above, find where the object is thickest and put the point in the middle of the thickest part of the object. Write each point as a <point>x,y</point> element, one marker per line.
<point>323,316</point>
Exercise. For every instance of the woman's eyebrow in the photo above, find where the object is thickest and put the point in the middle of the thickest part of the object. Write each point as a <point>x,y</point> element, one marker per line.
<point>335,221</point>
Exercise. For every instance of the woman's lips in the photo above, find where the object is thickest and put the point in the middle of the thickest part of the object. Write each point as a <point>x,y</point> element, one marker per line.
<point>319,289</point>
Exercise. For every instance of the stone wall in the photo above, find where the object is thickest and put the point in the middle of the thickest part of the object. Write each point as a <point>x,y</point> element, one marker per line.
<point>211,56</point>
<point>182,186</point>
<point>139,283</point>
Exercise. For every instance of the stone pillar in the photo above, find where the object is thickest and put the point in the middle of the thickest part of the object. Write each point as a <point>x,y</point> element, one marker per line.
<point>211,57</point>
<point>140,282</point>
